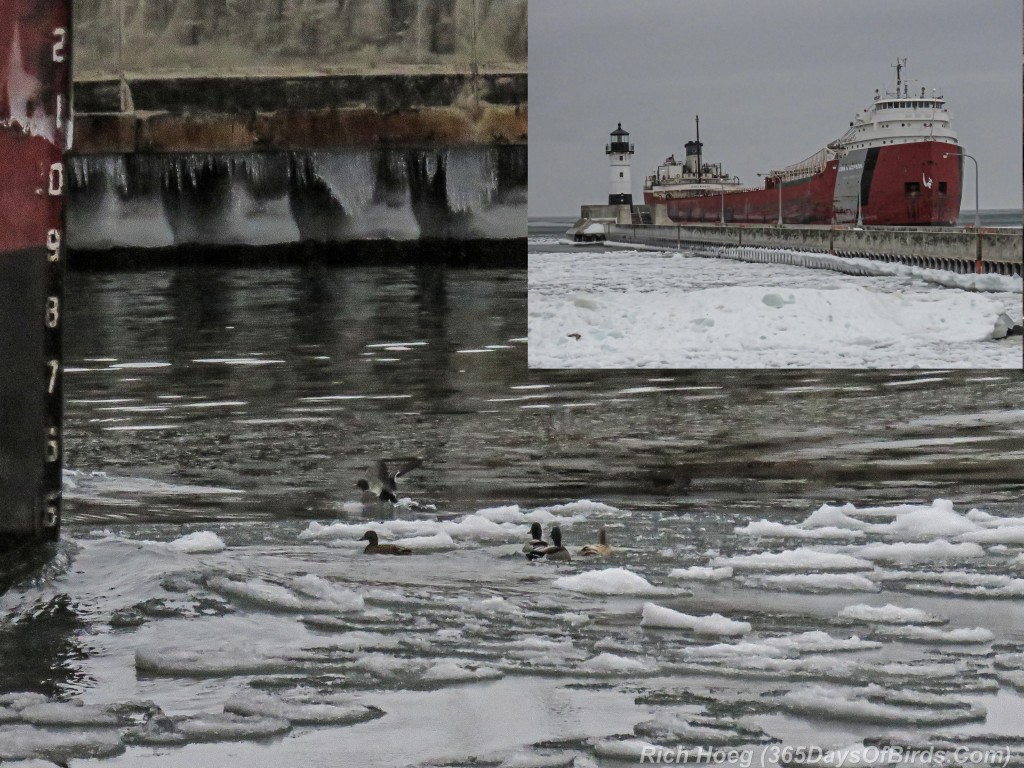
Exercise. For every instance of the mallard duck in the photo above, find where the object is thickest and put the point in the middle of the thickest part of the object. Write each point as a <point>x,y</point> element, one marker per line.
<point>373,548</point>
<point>379,482</point>
<point>535,542</point>
<point>601,549</point>
<point>554,552</point>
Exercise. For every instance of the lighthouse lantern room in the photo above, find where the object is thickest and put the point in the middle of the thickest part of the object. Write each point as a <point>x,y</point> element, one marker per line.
<point>620,155</point>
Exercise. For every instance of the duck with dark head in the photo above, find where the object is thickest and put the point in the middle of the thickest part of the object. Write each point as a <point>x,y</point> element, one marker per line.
<point>553,552</point>
<point>373,548</point>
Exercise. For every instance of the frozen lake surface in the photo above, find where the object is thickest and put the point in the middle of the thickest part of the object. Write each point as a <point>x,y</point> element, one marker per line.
<point>784,571</point>
<point>601,308</point>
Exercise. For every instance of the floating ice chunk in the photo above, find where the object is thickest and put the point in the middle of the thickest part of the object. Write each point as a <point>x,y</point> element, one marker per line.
<point>1004,534</point>
<point>697,731</point>
<point>582,507</point>
<point>328,596</point>
<point>198,542</point>
<point>225,661</point>
<point>802,559</point>
<point>817,641</point>
<point>301,708</point>
<point>229,727</point>
<point>730,650</point>
<point>934,635</point>
<point>850,704</point>
<point>439,542</point>
<point>701,573</point>
<point>609,581</point>
<point>715,624</point>
<point>611,664</point>
<point>910,552</point>
<point>813,582</point>
<point>769,529</point>
<point>625,749</point>
<point>451,671</point>
<point>890,614</point>
<point>59,713</point>
<point>26,742</point>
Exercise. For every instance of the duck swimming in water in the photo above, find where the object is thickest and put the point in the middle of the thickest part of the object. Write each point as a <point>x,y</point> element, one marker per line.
<point>601,549</point>
<point>379,482</point>
<point>554,552</point>
<point>373,548</point>
<point>535,542</point>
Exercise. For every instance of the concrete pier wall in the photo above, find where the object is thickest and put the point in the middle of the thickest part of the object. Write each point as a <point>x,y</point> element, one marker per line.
<point>308,121</point>
<point>955,249</point>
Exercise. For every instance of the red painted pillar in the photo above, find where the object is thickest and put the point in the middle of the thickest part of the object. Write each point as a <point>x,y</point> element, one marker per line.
<point>35,129</point>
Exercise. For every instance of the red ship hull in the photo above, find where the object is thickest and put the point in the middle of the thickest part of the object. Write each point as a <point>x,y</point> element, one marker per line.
<point>34,124</point>
<point>902,185</point>
<point>33,118</point>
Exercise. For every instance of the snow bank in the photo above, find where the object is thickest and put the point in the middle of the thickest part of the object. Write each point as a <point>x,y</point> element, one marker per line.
<point>665,618</point>
<point>625,323</point>
<point>610,581</point>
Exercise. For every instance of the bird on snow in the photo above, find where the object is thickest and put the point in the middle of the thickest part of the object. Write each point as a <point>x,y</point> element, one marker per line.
<point>379,481</point>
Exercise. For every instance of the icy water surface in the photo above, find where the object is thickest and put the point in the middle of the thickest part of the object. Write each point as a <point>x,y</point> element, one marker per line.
<point>210,603</point>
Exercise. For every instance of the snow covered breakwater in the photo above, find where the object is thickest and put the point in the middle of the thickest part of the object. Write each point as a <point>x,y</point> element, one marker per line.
<point>958,250</point>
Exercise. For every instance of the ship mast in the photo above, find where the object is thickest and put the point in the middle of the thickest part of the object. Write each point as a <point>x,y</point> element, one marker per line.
<point>900,63</point>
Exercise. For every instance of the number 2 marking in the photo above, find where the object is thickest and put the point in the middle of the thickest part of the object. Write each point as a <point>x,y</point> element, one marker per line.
<point>58,47</point>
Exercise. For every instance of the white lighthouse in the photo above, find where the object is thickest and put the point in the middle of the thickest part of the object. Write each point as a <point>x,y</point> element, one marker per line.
<point>620,155</point>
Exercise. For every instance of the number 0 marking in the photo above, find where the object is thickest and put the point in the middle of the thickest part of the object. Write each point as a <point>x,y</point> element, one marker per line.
<point>57,179</point>
<point>58,47</point>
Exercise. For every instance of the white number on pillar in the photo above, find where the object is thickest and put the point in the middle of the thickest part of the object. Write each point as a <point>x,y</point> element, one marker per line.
<point>57,179</point>
<point>58,47</point>
<point>53,245</point>
<point>52,444</point>
<point>52,311</point>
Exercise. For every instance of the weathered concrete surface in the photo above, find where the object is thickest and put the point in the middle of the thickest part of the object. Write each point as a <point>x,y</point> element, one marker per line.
<point>220,37</point>
<point>955,248</point>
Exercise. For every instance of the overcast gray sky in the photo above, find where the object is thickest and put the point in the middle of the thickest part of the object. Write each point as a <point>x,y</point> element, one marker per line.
<point>772,80</point>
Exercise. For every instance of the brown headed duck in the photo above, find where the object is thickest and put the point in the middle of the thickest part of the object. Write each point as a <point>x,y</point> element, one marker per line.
<point>601,549</point>
<point>373,548</point>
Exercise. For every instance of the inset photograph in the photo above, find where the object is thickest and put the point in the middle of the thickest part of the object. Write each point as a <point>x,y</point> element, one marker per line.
<point>800,185</point>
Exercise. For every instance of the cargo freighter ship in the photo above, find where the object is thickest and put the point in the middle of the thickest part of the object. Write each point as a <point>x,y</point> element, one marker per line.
<point>898,164</point>
<point>35,130</point>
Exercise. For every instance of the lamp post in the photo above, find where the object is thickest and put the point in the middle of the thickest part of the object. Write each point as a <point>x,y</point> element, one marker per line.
<point>778,183</point>
<point>964,154</point>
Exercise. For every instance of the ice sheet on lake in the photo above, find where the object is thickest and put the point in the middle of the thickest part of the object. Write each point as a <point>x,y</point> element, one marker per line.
<point>586,310</point>
<point>659,617</point>
<point>610,581</point>
<point>890,614</point>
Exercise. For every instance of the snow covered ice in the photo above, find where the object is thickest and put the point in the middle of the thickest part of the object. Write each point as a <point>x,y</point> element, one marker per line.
<point>643,309</point>
<point>299,637</point>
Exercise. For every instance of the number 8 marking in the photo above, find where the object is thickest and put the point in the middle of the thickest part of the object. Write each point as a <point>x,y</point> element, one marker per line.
<point>52,311</point>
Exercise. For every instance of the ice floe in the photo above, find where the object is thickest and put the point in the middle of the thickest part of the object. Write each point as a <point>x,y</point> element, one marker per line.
<point>198,542</point>
<point>890,614</point>
<point>609,581</point>
<point>801,559</point>
<point>871,706</point>
<point>701,573</point>
<point>659,617</point>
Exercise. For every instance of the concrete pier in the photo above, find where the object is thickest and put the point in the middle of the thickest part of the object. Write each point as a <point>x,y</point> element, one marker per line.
<point>271,123</point>
<point>957,249</point>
